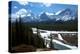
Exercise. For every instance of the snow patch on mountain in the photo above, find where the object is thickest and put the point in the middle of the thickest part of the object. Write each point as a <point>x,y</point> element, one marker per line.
<point>57,13</point>
<point>49,13</point>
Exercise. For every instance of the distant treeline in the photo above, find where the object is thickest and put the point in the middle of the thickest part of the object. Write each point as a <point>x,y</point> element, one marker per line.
<point>71,25</point>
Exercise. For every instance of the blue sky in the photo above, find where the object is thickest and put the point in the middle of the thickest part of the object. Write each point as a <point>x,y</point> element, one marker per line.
<point>37,8</point>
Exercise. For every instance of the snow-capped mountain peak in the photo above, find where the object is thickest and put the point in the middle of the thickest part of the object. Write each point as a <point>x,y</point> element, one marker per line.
<point>49,13</point>
<point>63,15</point>
<point>57,13</point>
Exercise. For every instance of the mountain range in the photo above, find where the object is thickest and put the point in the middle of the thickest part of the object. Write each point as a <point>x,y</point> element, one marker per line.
<point>65,15</point>
<point>38,12</point>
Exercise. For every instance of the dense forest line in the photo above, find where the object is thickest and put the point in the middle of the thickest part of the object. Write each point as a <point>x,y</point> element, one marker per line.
<point>20,33</point>
<point>71,25</point>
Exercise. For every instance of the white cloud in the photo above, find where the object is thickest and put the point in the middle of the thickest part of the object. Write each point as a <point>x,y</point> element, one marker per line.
<point>22,2</point>
<point>47,4</point>
<point>25,2</point>
<point>47,1</point>
<point>15,6</point>
<point>28,14</point>
<point>21,12</point>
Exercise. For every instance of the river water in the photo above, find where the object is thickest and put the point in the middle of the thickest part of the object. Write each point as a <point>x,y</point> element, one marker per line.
<point>56,42</point>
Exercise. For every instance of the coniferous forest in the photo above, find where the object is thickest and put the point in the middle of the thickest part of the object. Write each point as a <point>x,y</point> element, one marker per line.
<point>20,33</point>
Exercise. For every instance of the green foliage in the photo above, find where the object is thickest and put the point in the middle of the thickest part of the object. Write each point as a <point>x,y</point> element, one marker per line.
<point>60,26</point>
<point>22,34</point>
